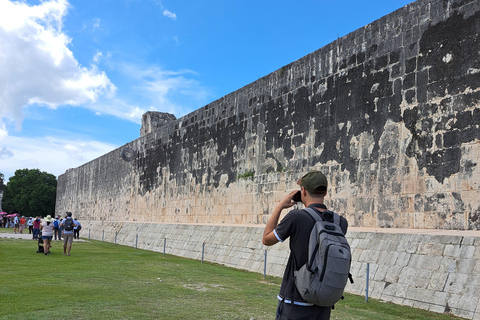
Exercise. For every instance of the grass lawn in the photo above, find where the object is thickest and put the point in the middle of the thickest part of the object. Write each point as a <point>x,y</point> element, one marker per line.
<point>103,281</point>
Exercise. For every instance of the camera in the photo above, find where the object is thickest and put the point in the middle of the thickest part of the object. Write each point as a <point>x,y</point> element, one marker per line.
<point>297,197</point>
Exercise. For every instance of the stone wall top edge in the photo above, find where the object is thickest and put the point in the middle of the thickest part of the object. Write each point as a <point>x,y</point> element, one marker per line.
<point>356,230</point>
<point>178,224</point>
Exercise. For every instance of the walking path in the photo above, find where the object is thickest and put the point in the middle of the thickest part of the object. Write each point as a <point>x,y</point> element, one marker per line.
<point>25,236</point>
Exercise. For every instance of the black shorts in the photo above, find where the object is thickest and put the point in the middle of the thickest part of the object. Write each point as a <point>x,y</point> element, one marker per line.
<point>287,311</point>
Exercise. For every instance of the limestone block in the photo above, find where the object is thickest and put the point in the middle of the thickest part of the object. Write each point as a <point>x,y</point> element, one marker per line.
<point>462,305</point>
<point>403,259</point>
<point>388,258</point>
<point>394,273</point>
<point>467,266</point>
<point>437,281</point>
<point>455,283</point>
<point>407,276</point>
<point>452,250</point>
<point>369,255</point>
<point>431,248</point>
<point>432,263</point>
<point>380,272</point>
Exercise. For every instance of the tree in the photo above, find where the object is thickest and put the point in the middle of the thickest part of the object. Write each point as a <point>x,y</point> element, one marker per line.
<point>31,192</point>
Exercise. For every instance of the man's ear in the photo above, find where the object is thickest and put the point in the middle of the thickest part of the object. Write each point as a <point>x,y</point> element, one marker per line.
<point>304,192</point>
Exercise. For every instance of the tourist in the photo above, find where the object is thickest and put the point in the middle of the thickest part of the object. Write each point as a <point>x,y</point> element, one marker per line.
<point>297,225</point>
<point>76,229</point>
<point>57,230</point>
<point>47,233</point>
<point>30,225</point>
<point>22,224</point>
<point>16,224</point>
<point>36,228</point>
<point>67,224</point>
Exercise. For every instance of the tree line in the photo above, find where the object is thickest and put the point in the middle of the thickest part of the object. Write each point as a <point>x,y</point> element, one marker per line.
<point>29,192</point>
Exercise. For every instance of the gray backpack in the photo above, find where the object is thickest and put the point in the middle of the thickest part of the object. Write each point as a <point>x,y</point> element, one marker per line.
<point>322,279</point>
<point>68,224</point>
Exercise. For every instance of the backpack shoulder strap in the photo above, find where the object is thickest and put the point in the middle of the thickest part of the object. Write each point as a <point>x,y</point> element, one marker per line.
<point>317,217</point>
<point>314,214</point>
<point>336,218</point>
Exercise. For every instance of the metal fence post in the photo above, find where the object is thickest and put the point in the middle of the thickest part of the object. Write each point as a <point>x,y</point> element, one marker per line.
<point>136,241</point>
<point>164,245</point>
<point>203,250</point>
<point>265,266</point>
<point>366,288</point>
<point>103,235</point>
<point>116,237</point>
<point>88,234</point>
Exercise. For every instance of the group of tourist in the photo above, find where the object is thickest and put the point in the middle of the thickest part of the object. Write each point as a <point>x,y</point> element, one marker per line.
<point>16,222</point>
<point>46,229</point>
<point>67,228</point>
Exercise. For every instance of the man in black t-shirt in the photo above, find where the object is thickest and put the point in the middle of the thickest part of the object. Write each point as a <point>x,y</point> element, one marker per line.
<point>297,225</point>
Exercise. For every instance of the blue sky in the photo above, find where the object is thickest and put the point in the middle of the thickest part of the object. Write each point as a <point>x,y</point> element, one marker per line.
<point>76,76</point>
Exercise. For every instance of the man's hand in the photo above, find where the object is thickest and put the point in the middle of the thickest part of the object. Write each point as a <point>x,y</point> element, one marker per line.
<point>287,201</point>
<point>269,237</point>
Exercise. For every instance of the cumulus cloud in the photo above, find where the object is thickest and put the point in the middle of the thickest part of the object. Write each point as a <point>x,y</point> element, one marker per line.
<point>165,90</point>
<point>43,70</point>
<point>169,14</point>
<point>53,155</point>
<point>38,68</point>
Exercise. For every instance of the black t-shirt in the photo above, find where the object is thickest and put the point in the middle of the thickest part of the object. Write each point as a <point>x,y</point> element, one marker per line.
<point>297,225</point>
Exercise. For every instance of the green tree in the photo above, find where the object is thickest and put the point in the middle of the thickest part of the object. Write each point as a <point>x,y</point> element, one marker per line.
<point>30,192</point>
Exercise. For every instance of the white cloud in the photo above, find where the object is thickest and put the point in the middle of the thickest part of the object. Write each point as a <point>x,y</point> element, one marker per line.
<point>96,23</point>
<point>53,155</point>
<point>37,67</point>
<point>163,90</point>
<point>36,64</point>
<point>169,14</point>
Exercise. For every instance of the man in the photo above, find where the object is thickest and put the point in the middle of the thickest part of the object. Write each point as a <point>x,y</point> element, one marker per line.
<point>297,225</point>
<point>76,230</point>
<point>30,225</point>
<point>16,224</point>
<point>36,228</point>
<point>67,224</point>
<point>22,224</point>
<point>57,230</point>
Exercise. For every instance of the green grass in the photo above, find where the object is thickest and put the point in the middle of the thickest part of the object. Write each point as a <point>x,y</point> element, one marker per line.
<point>103,281</point>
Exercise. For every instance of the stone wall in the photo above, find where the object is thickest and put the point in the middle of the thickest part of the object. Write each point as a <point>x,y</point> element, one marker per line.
<point>390,113</point>
<point>440,273</point>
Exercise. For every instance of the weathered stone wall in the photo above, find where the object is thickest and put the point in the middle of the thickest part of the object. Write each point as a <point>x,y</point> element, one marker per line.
<point>439,273</point>
<point>389,112</point>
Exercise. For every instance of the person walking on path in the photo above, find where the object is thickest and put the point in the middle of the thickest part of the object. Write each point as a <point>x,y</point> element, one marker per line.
<point>67,224</point>
<point>36,228</point>
<point>47,233</point>
<point>76,229</point>
<point>16,224</point>
<point>22,224</point>
<point>30,225</point>
<point>57,231</point>
<point>297,225</point>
